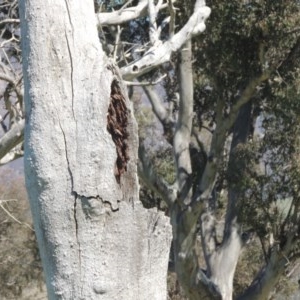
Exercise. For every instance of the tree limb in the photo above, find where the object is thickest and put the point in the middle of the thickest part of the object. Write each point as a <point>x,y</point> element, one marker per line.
<point>241,133</point>
<point>153,180</point>
<point>14,82</point>
<point>160,54</point>
<point>144,83</point>
<point>172,18</point>
<point>11,21</point>
<point>219,137</point>
<point>161,113</point>
<point>12,138</point>
<point>14,154</point>
<point>247,94</point>
<point>266,279</point>
<point>153,32</point>
<point>124,15</point>
<point>182,137</point>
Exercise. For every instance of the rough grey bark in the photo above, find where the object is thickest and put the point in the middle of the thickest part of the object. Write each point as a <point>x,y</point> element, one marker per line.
<point>96,240</point>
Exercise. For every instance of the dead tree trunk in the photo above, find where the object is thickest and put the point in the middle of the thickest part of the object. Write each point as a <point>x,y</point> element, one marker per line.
<point>96,240</point>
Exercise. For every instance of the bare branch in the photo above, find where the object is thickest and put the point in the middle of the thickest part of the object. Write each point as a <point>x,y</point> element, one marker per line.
<point>219,137</point>
<point>14,154</point>
<point>15,83</point>
<point>147,83</point>
<point>118,35</point>
<point>162,25</point>
<point>159,5</point>
<point>247,94</point>
<point>7,78</point>
<point>172,18</point>
<point>153,181</point>
<point>202,145</point>
<point>183,131</point>
<point>125,5</point>
<point>153,34</point>
<point>12,138</point>
<point>124,15</point>
<point>158,55</point>
<point>158,108</point>
<point>12,21</point>
<point>12,69</point>
<point>13,217</point>
<point>160,111</point>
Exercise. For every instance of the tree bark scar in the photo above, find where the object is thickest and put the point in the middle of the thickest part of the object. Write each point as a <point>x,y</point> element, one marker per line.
<point>117,121</point>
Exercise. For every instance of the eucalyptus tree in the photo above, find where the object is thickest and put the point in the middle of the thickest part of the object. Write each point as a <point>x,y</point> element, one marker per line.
<point>246,80</point>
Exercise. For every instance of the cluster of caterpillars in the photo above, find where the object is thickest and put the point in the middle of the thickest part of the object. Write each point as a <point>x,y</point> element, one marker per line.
<point>117,121</point>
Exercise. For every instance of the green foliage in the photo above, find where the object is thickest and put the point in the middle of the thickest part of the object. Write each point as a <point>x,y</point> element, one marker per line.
<point>243,36</point>
<point>242,39</point>
<point>278,156</point>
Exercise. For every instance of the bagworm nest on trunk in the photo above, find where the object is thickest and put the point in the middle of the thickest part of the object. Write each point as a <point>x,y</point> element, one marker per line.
<point>117,121</point>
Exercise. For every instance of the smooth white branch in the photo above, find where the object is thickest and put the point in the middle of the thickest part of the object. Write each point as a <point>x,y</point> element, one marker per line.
<point>153,32</point>
<point>12,138</point>
<point>160,54</point>
<point>126,14</point>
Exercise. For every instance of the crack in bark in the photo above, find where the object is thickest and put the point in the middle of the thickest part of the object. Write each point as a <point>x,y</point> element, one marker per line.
<point>76,233</point>
<point>105,202</point>
<point>93,206</point>
<point>69,14</point>
<point>70,55</point>
<point>67,159</point>
<point>71,75</point>
<point>73,193</point>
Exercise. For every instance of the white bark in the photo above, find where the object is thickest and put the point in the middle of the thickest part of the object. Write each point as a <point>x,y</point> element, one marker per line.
<point>184,219</point>
<point>161,52</point>
<point>222,264</point>
<point>125,14</point>
<point>95,238</point>
<point>183,130</point>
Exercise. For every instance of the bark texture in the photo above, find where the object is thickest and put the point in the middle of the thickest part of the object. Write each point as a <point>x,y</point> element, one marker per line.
<point>95,238</point>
